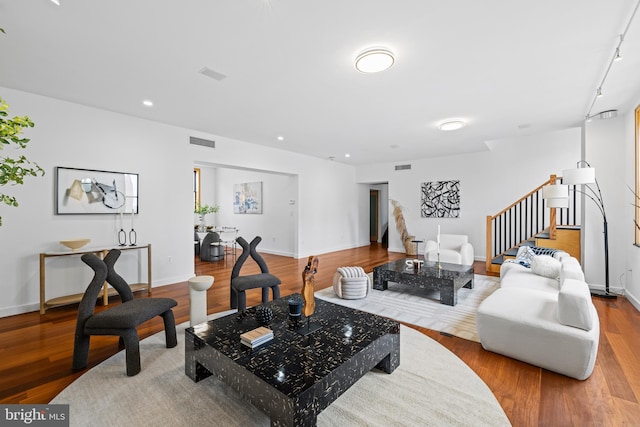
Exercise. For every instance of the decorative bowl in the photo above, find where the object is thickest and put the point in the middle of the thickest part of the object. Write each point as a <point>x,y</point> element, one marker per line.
<point>75,244</point>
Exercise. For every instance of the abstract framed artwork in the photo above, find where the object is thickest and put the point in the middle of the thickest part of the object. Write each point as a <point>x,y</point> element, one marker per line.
<point>247,198</point>
<point>440,199</point>
<point>87,191</point>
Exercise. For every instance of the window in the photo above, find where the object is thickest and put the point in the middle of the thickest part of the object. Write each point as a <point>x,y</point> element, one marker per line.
<point>196,188</point>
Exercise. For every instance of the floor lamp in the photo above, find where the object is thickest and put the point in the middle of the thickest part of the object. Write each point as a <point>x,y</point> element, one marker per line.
<point>585,175</point>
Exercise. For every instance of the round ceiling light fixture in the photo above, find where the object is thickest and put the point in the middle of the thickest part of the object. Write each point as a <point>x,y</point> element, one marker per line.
<point>451,125</point>
<point>374,60</point>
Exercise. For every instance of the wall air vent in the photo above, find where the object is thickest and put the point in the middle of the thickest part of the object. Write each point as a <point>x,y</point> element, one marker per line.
<point>212,74</point>
<point>403,167</point>
<point>204,142</point>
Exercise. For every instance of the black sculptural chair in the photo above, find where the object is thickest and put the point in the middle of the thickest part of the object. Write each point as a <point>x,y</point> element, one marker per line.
<point>264,280</point>
<point>211,249</point>
<point>121,320</point>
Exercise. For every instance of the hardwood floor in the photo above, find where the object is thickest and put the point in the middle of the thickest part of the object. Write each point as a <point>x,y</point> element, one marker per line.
<point>35,349</point>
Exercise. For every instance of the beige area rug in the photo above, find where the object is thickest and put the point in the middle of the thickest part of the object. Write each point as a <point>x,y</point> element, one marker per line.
<point>422,308</point>
<point>431,387</point>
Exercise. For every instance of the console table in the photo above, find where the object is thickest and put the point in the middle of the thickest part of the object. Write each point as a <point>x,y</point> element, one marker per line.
<point>106,291</point>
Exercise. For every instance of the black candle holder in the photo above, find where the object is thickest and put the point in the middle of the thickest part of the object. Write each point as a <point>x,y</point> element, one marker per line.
<point>122,237</point>
<point>133,237</point>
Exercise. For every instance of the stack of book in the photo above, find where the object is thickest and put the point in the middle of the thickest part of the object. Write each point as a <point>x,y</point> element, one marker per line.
<point>256,337</point>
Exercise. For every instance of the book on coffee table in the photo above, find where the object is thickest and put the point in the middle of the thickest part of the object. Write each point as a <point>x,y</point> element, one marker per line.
<point>256,337</point>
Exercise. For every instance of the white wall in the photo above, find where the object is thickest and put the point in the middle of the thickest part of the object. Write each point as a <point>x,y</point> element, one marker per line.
<point>489,182</point>
<point>605,151</point>
<point>71,135</point>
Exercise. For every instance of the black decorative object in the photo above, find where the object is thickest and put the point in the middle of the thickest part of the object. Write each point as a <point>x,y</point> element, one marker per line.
<point>264,315</point>
<point>122,237</point>
<point>295,308</point>
<point>133,237</point>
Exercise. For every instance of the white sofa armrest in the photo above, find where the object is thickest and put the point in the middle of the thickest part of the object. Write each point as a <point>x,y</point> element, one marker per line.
<point>574,305</point>
<point>466,253</point>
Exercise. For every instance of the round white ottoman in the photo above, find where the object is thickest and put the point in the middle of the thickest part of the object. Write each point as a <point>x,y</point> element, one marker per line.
<point>351,283</point>
<point>198,286</point>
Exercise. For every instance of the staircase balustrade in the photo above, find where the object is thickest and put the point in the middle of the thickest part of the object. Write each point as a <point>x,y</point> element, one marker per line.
<point>525,219</point>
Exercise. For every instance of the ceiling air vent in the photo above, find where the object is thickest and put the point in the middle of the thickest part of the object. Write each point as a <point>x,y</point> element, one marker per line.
<point>403,167</point>
<point>204,142</point>
<point>212,74</point>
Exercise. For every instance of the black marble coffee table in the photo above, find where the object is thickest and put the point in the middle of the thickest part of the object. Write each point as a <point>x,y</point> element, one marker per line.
<point>447,279</point>
<point>293,377</point>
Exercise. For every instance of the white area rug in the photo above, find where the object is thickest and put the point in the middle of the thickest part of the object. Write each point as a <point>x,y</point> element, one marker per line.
<point>422,308</point>
<point>431,387</point>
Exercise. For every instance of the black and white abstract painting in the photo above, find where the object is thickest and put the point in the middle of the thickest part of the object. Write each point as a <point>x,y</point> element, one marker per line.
<point>440,199</point>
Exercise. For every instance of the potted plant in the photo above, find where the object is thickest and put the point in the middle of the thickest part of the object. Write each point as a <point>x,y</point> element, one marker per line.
<point>203,210</point>
<point>14,170</point>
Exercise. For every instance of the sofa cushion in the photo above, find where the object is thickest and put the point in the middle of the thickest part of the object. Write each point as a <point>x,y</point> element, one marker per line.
<point>518,277</point>
<point>570,269</point>
<point>574,305</point>
<point>545,265</point>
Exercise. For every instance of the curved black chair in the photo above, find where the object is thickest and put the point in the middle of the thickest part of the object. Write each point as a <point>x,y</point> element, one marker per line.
<point>211,248</point>
<point>264,280</point>
<point>196,243</point>
<point>121,320</point>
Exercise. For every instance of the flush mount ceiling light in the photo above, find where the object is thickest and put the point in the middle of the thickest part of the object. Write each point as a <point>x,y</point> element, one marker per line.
<point>374,60</point>
<point>451,125</point>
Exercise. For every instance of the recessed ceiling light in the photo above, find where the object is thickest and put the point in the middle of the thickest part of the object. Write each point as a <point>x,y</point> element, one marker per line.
<point>451,125</point>
<point>56,2</point>
<point>347,155</point>
<point>147,103</point>
<point>374,60</point>
<point>281,138</point>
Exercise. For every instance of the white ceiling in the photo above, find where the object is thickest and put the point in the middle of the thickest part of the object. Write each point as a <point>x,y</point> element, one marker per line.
<point>509,68</point>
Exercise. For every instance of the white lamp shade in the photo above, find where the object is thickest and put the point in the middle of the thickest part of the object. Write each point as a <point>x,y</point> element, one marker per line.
<point>579,176</point>
<point>555,191</point>
<point>558,203</point>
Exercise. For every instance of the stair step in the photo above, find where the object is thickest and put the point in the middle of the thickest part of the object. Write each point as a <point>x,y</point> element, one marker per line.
<point>498,260</point>
<point>512,252</point>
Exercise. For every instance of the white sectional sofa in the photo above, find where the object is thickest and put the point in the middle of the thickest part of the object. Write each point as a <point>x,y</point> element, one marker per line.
<point>542,315</point>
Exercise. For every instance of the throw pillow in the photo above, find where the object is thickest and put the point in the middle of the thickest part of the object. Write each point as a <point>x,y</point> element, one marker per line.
<point>538,250</point>
<point>545,265</point>
<point>524,256</point>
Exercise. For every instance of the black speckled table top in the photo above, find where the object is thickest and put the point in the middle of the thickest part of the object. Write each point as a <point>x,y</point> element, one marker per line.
<point>445,277</point>
<point>293,376</point>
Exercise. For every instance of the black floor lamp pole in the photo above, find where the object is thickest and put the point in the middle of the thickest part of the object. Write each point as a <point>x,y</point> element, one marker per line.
<point>606,293</point>
<point>598,201</point>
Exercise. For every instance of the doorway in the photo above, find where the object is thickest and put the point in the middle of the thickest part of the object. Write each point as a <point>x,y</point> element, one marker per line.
<point>374,200</point>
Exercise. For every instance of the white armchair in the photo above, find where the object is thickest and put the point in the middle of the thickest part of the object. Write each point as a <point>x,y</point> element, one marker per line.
<point>454,249</point>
